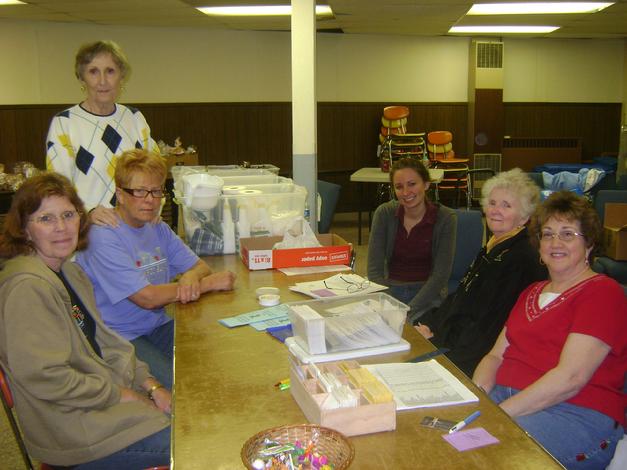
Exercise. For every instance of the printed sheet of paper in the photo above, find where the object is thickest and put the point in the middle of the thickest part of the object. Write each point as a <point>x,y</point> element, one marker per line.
<point>336,286</point>
<point>271,323</point>
<point>422,384</point>
<point>470,439</point>
<point>256,316</point>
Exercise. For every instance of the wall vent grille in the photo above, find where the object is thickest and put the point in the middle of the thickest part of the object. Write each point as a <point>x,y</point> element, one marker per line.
<point>479,161</point>
<point>487,160</point>
<point>489,55</point>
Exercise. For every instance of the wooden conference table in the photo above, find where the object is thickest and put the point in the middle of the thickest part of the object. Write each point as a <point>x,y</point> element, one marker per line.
<point>224,393</point>
<point>375,175</point>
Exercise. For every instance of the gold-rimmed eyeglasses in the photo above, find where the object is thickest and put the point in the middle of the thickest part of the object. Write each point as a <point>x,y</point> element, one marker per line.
<point>564,235</point>
<point>51,220</point>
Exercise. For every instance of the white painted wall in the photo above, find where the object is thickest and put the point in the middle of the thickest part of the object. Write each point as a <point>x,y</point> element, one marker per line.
<point>554,70</point>
<point>195,65</point>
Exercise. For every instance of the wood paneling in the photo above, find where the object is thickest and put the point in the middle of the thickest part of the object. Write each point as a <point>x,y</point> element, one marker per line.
<point>597,125</point>
<point>228,133</point>
<point>526,153</point>
<point>487,118</point>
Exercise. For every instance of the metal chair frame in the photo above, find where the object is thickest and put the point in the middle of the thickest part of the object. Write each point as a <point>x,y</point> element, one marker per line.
<point>7,403</point>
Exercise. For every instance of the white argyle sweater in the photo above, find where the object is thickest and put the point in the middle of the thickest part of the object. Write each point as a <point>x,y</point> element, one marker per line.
<point>85,147</point>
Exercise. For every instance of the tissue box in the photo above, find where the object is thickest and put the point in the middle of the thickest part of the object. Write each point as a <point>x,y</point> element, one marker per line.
<point>257,253</point>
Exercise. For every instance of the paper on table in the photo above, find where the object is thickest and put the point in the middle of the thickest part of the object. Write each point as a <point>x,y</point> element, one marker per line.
<point>470,439</point>
<point>336,286</point>
<point>297,271</point>
<point>255,316</point>
<point>271,323</point>
<point>421,385</point>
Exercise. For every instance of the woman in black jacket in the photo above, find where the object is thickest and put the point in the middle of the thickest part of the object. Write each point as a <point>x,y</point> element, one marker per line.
<point>470,319</point>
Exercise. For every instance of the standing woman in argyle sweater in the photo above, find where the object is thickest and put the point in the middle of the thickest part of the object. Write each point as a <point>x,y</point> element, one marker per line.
<point>84,141</point>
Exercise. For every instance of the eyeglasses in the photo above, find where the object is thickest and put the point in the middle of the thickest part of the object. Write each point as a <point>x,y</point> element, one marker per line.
<point>51,220</point>
<point>351,286</point>
<point>564,235</point>
<point>143,193</point>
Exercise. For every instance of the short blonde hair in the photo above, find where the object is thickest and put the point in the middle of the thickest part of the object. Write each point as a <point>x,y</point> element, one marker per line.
<point>519,184</point>
<point>87,52</point>
<point>137,161</point>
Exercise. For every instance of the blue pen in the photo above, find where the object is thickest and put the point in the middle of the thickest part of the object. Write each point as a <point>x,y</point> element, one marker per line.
<point>464,422</point>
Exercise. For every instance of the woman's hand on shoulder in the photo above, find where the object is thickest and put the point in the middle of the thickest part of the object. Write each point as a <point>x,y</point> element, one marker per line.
<point>101,215</point>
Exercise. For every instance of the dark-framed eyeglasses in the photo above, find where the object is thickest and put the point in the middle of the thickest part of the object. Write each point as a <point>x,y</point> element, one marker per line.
<point>564,235</point>
<point>143,193</point>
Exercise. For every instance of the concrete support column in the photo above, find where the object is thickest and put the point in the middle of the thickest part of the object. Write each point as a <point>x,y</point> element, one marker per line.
<point>304,156</point>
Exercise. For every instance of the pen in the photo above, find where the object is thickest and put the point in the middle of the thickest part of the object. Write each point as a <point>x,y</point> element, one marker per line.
<point>429,355</point>
<point>464,422</point>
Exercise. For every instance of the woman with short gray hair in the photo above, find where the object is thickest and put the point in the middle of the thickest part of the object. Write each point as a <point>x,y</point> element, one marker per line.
<point>85,141</point>
<point>470,319</point>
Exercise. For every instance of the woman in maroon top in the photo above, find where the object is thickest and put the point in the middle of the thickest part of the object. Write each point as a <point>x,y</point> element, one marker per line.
<point>412,241</point>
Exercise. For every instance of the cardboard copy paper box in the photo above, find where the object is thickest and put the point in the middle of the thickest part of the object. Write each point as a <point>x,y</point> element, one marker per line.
<point>615,230</point>
<point>184,159</point>
<point>257,253</point>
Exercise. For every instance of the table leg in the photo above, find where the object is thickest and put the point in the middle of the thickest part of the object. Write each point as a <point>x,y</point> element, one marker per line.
<point>361,201</point>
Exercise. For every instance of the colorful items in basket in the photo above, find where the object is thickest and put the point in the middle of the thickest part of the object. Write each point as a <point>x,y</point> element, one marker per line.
<point>298,447</point>
<point>277,456</point>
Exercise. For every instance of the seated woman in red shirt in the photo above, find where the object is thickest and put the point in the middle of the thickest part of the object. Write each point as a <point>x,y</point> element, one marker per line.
<point>559,364</point>
<point>412,241</point>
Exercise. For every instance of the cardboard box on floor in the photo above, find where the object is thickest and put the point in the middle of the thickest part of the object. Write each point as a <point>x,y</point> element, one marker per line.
<point>257,253</point>
<point>615,230</point>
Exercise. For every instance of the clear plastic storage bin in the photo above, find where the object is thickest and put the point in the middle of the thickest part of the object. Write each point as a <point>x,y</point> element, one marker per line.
<point>240,212</point>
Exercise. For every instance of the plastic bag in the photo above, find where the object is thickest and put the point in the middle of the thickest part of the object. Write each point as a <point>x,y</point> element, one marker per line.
<point>298,235</point>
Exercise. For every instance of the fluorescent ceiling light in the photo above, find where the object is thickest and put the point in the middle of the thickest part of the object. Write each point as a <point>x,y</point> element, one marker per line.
<point>11,2</point>
<point>503,29</point>
<point>536,8</point>
<point>270,10</point>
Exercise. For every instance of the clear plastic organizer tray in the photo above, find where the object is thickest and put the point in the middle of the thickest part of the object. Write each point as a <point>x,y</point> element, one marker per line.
<point>348,329</point>
<point>391,310</point>
<point>214,225</point>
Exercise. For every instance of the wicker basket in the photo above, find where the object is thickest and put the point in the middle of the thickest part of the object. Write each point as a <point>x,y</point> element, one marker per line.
<point>334,445</point>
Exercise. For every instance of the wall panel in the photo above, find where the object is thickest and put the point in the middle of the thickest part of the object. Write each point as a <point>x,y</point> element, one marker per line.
<point>596,124</point>
<point>228,133</point>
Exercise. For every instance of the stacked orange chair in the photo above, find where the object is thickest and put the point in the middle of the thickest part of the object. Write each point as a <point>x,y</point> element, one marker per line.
<point>394,121</point>
<point>395,141</point>
<point>440,146</point>
<point>442,156</point>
